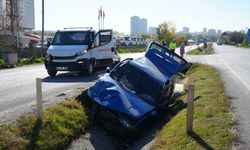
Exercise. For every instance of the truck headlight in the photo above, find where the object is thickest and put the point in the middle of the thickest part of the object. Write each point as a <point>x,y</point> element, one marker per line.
<point>48,57</point>
<point>82,52</point>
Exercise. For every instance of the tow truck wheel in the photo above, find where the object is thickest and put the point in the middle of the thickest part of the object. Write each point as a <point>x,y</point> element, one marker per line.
<point>90,69</point>
<point>52,73</point>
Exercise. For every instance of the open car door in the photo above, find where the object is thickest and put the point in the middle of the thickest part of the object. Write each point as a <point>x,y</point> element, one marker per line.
<point>165,59</point>
<point>103,45</point>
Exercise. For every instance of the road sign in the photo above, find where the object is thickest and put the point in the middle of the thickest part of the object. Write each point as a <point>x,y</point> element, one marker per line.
<point>248,35</point>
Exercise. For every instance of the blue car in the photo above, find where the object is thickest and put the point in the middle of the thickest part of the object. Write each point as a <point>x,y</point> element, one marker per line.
<point>130,95</point>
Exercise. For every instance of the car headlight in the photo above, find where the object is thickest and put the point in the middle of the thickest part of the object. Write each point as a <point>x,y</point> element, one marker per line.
<point>82,52</point>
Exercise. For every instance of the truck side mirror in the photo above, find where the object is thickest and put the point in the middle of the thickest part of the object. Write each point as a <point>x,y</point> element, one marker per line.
<point>48,43</point>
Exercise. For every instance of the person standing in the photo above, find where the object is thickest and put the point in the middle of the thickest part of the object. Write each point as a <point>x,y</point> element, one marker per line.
<point>172,45</point>
<point>182,49</point>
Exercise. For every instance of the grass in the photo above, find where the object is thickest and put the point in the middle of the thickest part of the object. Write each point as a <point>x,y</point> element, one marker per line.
<point>245,45</point>
<point>1,62</point>
<point>23,61</point>
<point>61,124</point>
<point>132,50</point>
<point>212,120</point>
<point>31,60</point>
<point>202,50</point>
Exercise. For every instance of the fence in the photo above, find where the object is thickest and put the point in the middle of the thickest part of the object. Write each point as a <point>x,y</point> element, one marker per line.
<point>28,52</point>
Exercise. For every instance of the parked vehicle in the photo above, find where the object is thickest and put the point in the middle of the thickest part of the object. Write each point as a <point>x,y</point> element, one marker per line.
<point>125,41</point>
<point>74,49</point>
<point>130,95</point>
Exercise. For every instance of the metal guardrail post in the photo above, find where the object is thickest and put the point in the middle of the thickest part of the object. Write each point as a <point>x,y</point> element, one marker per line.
<point>39,98</point>
<point>190,109</point>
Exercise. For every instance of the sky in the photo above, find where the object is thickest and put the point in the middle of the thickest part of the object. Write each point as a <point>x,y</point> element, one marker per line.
<point>228,15</point>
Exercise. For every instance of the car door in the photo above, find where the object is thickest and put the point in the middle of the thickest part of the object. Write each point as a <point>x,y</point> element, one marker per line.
<point>104,45</point>
<point>164,59</point>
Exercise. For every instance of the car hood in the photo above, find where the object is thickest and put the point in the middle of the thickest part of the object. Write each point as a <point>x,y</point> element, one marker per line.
<point>65,50</point>
<point>111,95</point>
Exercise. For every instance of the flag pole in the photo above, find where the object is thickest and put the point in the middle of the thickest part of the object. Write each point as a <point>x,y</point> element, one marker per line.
<point>103,15</point>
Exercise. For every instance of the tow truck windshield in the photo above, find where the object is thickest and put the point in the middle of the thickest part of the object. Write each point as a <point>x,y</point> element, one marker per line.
<point>71,38</point>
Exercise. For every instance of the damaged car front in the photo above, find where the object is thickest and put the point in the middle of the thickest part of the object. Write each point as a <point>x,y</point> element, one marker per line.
<point>129,96</point>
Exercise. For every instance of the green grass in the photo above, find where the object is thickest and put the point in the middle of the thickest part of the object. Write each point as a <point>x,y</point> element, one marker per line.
<point>212,120</point>
<point>31,60</point>
<point>61,124</point>
<point>245,45</point>
<point>202,50</point>
<point>1,61</point>
<point>132,50</point>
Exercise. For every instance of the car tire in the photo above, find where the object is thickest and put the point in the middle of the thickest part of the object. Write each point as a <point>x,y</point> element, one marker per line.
<point>52,73</point>
<point>89,69</point>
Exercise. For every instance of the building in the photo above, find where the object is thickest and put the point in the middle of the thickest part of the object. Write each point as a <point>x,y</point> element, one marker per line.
<point>17,17</point>
<point>135,25</point>
<point>204,31</point>
<point>138,26</point>
<point>219,32</point>
<point>185,30</point>
<point>211,32</point>
<point>143,26</point>
<point>152,31</point>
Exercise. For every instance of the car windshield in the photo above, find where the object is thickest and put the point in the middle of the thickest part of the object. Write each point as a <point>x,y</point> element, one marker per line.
<point>138,83</point>
<point>71,38</point>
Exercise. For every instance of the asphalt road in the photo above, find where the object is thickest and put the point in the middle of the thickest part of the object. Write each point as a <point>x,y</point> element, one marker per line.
<point>234,67</point>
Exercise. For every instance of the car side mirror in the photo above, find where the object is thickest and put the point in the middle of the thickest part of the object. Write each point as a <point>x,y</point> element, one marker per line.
<point>108,70</point>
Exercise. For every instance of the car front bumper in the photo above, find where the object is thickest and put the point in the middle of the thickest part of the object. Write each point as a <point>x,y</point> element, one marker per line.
<point>79,65</point>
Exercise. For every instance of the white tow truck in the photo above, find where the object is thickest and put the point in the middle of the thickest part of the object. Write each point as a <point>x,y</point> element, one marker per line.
<point>81,49</point>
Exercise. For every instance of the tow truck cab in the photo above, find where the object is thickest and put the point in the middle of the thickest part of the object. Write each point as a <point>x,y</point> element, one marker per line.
<point>74,49</point>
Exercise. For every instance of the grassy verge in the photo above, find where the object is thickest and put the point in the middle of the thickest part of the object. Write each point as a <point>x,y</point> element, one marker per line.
<point>244,45</point>
<point>202,50</point>
<point>61,124</point>
<point>131,50</point>
<point>23,61</point>
<point>212,121</point>
<point>32,60</point>
<point>1,62</point>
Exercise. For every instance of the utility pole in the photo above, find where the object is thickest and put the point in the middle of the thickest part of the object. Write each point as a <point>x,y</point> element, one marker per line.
<point>42,23</point>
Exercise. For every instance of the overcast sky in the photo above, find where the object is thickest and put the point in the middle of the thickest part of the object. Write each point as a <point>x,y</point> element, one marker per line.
<point>195,14</point>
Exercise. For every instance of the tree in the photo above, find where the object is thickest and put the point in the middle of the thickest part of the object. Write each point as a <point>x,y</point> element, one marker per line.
<point>166,31</point>
<point>146,36</point>
<point>237,37</point>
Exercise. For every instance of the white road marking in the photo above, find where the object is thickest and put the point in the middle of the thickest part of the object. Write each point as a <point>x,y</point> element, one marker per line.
<point>236,74</point>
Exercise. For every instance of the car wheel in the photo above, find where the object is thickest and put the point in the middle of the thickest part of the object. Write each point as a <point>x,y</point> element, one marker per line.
<point>52,73</point>
<point>90,69</point>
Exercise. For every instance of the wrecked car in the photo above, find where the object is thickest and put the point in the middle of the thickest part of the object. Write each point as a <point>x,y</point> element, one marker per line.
<point>129,95</point>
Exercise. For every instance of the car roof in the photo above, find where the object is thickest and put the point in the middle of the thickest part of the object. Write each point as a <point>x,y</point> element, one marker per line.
<point>151,70</point>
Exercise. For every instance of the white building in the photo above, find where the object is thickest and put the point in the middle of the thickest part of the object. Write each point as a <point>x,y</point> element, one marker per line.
<point>152,31</point>
<point>24,14</point>
<point>138,26</point>
<point>204,31</point>
<point>135,25</point>
<point>185,30</point>
<point>211,32</point>
<point>219,32</point>
<point>17,17</point>
<point>143,26</point>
